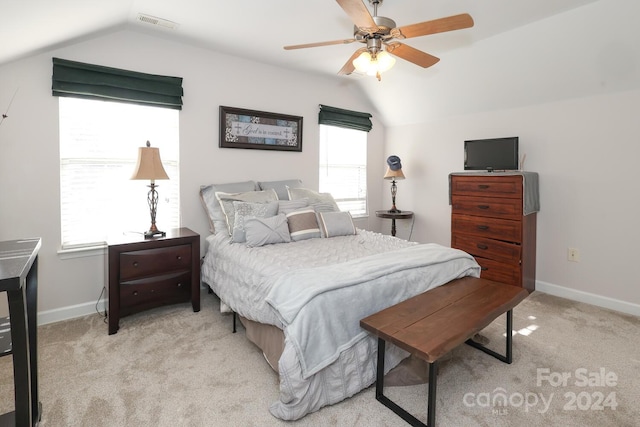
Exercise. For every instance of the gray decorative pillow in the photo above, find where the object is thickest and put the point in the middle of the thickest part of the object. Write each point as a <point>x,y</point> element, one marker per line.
<point>325,199</point>
<point>280,186</point>
<point>217,220</point>
<point>245,209</point>
<point>226,202</point>
<point>266,231</point>
<point>303,224</point>
<point>334,224</point>
<point>286,206</point>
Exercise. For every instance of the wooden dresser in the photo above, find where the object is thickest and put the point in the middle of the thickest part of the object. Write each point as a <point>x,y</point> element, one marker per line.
<point>489,222</point>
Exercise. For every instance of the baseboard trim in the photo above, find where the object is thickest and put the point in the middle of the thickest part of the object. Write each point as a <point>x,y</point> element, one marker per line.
<point>79,310</point>
<point>589,298</point>
<point>70,312</point>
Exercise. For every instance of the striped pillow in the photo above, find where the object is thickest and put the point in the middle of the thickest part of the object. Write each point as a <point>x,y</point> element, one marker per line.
<point>303,224</point>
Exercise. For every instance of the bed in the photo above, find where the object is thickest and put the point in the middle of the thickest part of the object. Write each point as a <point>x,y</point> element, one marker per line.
<point>301,276</point>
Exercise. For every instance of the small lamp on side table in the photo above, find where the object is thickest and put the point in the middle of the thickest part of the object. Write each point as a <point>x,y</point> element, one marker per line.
<point>394,172</point>
<point>150,167</point>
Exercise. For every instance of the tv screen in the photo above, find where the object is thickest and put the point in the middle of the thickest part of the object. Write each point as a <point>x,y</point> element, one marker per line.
<point>491,154</point>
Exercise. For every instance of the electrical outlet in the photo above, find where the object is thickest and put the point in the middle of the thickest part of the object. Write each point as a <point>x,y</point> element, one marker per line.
<point>573,255</point>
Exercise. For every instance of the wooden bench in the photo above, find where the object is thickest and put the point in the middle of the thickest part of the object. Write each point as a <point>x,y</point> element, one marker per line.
<point>431,324</point>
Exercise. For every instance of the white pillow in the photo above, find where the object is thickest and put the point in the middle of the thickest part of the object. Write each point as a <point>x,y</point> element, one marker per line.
<point>246,209</point>
<point>334,224</point>
<point>217,220</point>
<point>226,202</point>
<point>280,186</point>
<point>266,231</point>
<point>286,206</point>
<point>322,202</point>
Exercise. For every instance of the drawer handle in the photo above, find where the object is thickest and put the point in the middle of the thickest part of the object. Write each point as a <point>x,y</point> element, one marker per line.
<point>484,268</point>
<point>483,206</point>
<point>179,285</point>
<point>179,257</point>
<point>483,247</point>
<point>483,227</point>
<point>135,263</point>
<point>135,293</point>
<point>483,186</point>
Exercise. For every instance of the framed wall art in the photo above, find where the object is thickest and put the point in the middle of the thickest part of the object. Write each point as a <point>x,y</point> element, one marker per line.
<point>240,128</point>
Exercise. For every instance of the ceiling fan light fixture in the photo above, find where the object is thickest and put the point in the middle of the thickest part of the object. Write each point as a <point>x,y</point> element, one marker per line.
<point>374,65</point>
<point>362,62</point>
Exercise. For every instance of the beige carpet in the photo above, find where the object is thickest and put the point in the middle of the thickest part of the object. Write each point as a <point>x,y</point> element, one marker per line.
<point>173,367</point>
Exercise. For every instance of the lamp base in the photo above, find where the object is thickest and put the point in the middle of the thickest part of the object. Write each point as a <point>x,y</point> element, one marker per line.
<point>151,234</point>
<point>394,210</point>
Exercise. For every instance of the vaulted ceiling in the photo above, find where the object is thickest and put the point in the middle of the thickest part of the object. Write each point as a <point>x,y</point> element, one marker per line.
<point>258,30</point>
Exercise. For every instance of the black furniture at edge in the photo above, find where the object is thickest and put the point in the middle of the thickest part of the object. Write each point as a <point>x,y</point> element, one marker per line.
<point>19,279</point>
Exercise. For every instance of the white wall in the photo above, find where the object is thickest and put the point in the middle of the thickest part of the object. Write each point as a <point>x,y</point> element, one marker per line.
<point>29,161</point>
<point>576,114</point>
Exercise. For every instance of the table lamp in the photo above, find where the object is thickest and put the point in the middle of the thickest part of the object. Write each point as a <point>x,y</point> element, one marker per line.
<point>150,167</point>
<point>394,172</point>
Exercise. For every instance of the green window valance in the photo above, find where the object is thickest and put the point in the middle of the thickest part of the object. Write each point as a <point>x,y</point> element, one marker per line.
<point>344,118</point>
<point>80,80</point>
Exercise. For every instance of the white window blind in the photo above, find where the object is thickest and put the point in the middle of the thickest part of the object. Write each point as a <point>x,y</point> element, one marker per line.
<point>343,167</point>
<point>98,151</point>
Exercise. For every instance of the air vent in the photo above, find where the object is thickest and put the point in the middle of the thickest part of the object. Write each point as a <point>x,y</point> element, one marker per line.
<point>152,20</point>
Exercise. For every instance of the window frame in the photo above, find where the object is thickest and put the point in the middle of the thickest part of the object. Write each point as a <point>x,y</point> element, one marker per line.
<point>131,194</point>
<point>325,165</point>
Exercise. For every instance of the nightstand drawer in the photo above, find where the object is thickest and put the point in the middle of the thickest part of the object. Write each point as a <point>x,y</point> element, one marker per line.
<point>487,248</point>
<point>142,294</point>
<point>484,206</point>
<point>496,186</point>
<point>498,229</point>
<point>153,261</point>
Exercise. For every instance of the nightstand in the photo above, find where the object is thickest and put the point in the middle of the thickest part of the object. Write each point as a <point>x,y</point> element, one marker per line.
<point>393,216</point>
<point>148,273</point>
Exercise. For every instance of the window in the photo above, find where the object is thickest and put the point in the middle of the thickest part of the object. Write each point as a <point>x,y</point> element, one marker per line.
<point>98,151</point>
<point>343,167</point>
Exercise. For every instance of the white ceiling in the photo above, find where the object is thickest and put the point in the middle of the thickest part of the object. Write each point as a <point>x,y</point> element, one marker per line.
<point>258,30</point>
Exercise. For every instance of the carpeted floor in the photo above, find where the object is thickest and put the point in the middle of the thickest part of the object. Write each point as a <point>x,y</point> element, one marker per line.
<point>173,367</point>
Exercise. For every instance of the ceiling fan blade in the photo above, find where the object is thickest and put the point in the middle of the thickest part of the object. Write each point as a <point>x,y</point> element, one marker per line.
<point>348,67</point>
<point>359,14</point>
<point>302,46</point>
<point>451,23</point>
<point>411,54</point>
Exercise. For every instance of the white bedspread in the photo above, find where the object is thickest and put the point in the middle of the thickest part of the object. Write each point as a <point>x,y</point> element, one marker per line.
<point>243,278</point>
<point>305,299</point>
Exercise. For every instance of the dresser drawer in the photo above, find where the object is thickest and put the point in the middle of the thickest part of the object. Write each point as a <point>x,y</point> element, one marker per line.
<point>142,294</point>
<point>153,261</point>
<point>495,186</point>
<point>498,229</point>
<point>500,271</point>
<point>487,248</point>
<point>484,206</point>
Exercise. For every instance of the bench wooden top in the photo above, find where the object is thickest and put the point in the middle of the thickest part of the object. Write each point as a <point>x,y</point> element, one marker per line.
<point>433,323</point>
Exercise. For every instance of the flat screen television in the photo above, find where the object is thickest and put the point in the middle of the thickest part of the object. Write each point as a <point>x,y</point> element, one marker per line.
<point>491,154</point>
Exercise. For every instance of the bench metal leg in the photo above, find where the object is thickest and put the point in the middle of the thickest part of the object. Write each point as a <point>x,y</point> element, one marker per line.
<point>234,322</point>
<point>508,358</point>
<point>431,402</point>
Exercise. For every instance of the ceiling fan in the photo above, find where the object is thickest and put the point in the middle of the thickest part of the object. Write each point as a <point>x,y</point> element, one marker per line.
<point>378,31</point>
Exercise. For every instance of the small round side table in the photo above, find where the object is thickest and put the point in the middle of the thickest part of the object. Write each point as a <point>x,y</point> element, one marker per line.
<point>393,216</point>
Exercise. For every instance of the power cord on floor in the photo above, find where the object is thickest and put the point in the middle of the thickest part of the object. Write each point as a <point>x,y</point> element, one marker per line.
<point>413,220</point>
<point>104,315</point>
